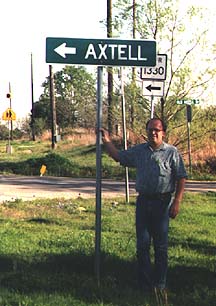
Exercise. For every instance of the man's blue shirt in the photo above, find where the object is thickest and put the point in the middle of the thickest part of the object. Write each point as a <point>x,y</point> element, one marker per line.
<point>156,170</point>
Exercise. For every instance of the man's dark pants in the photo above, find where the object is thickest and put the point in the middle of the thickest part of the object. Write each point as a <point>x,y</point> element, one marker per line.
<point>152,223</point>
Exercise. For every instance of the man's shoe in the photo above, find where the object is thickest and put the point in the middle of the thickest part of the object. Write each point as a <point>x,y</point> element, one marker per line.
<point>161,296</point>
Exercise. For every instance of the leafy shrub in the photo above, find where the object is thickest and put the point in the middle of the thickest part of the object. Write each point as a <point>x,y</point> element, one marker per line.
<point>211,164</point>
<point>57,164</point>
<point>3,132</point>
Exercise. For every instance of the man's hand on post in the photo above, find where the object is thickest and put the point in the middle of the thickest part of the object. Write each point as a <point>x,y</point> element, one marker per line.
<point>111,149</point>
<point>105,135</point>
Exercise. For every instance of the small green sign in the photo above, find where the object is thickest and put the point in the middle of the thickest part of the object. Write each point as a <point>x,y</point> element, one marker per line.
<point>188,102</point>
<point>101,52</point>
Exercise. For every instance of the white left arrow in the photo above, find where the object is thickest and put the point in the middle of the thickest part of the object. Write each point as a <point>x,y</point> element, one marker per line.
<point>62,50</point>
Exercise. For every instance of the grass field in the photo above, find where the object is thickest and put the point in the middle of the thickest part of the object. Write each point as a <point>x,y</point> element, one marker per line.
<point>47,253</point>
<point>66,160</point>
<point>69,159</point>
<point>47,247</point>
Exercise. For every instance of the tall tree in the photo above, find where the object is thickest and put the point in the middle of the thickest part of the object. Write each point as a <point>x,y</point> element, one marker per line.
<point>75,95</point>
<point>167,22</point>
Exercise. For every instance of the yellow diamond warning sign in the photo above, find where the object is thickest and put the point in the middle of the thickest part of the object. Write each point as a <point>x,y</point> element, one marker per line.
<point>9,115</point>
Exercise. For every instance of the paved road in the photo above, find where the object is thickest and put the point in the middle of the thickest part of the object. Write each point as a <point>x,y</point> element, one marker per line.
<point>26,188</point>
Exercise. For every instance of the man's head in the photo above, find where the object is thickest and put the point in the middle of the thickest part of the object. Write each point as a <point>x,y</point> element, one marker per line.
<point>156,129</point>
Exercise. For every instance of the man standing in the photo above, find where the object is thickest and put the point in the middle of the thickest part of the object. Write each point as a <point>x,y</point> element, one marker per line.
<point>160,180</point>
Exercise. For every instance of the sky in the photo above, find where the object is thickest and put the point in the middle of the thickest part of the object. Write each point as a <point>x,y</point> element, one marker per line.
<point>24,26</point>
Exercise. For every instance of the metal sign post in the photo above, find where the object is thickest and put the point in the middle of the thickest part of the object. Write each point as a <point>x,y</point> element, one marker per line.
<point>188,104</point>
<point>124,136</point>
<point>152,107</point>
<point>98,173</point>
<point>189,147</point>
<point>9,115</point>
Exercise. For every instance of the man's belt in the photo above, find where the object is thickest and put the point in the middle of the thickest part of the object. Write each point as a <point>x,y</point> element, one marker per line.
<point>155,196</point>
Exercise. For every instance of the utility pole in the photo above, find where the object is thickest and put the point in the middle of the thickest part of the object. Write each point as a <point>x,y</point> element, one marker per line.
<point>52,107</point>
<point>134,18</point>
<point>11,122</point>
<point>133,68</point>
<point>110,70</point>
<point>32,96</point>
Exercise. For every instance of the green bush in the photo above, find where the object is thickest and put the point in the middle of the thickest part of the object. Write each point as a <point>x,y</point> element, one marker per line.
<point>3,132</point>
<point>211,164</point>
<point>56,165</point>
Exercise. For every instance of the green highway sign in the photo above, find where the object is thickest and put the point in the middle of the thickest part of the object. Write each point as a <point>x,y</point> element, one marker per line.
<point>188,102</point>
<point>101,52</point>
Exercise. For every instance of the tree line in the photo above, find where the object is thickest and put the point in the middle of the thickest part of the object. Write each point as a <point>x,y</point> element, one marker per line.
<point>168,23</point>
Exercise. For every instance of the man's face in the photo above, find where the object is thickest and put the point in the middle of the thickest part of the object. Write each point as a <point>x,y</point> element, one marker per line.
<point>155,133</point>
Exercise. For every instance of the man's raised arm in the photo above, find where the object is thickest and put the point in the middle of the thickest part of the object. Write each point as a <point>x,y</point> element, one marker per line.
<point>110,148</point>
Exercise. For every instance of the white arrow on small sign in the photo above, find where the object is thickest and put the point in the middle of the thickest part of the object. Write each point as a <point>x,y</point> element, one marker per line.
<point>153,88</point>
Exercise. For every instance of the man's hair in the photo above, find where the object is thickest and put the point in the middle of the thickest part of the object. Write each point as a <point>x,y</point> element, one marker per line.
<point>162,122</point>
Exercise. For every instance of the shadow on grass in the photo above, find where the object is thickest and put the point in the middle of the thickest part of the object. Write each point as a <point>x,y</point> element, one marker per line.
<point>183,279</point>
<point>70,274</point>
<point>199,245</point>
<point>192,286</point>
<point>74,274</point>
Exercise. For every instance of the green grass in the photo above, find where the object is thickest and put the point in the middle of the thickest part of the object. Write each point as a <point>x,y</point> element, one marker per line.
<point>67,160</point>
<point>47,253</point>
